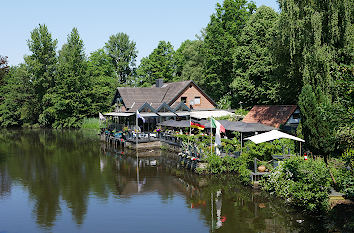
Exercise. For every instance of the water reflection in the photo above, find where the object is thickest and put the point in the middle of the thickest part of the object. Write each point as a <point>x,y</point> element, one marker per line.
<point>64,171</point>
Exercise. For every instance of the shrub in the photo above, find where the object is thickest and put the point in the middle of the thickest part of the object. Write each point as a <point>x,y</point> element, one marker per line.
<point>227,164</point>
<point>264,151</point>
<point>303,183</point>
<point>343,175</point>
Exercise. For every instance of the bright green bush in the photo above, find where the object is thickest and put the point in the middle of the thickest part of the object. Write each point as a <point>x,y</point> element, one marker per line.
<point>265,150</point>
<point>303,183</point>
<point>227,164</point>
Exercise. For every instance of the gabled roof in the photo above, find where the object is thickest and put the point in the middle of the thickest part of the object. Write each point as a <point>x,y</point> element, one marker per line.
<point>134,97</point>
<point>164,106</point>
<point>151,94</point>
<point>272,115</point>
<point>180,106</point>
<point>146,106</point>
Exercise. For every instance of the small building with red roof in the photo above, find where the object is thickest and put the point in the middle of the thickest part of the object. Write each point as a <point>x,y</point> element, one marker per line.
<point>286,117</point>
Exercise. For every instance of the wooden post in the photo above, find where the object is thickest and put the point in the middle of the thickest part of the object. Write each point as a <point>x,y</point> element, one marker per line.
<point>255,165</point>
<point>241,144</point>
<point>190,128</point>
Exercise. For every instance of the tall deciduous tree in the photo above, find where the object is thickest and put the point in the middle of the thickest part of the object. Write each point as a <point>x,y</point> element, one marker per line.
<point>190,62</point>
<point>123,53</point>
<point>222,35</point>
<point>41,64</point>
<point>103,81</point>
<point>67,103</point>
<point>253,65</point>
<point>19,100</point>
<point>313,38</point>
<point>160,64</point>
<point>315,45</point>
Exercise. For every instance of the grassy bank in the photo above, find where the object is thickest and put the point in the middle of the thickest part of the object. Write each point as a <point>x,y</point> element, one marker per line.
<point>90,123</point>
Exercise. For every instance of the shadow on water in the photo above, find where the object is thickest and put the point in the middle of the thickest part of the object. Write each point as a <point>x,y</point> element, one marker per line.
<point>68,170</point>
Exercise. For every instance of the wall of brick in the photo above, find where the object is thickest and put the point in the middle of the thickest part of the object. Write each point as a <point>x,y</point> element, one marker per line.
<point>190,93</point>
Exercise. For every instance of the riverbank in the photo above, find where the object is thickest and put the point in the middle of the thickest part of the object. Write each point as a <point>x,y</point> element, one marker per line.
<point>307,184</point>
<point>302,183</point>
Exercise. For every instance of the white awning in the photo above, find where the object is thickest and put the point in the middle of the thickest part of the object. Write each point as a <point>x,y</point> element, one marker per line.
<point>183,113</point>
<point>272,135</point>
<point>119,114</point>
<point>148,114</point>
<point>166,114</point>
<point>208,114</point>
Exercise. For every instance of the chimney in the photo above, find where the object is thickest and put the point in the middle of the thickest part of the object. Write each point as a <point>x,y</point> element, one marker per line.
<point>159,82</point>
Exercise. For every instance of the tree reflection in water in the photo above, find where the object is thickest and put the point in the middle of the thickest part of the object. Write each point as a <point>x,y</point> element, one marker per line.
<point>65,169</point>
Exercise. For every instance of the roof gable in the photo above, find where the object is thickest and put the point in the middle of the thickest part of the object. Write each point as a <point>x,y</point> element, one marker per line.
<point>164,108</point>
<point>181,107</point>
<point>197,87</point>
<point>146,108</point>
<point>273,115</point>
<point>134,97</point>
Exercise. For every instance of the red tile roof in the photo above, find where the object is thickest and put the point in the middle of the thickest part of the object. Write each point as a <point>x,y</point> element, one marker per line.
<point>272,115</point>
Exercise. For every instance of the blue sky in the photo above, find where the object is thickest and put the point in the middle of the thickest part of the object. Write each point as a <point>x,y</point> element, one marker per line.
<point>146,22</point>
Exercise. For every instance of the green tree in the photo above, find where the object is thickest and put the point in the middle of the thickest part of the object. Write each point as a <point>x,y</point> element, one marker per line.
<point>25,87</point>
<point>19,99</point>
<point>313,38</point>
<point>160,64</point>
<point>316,122</point>
<point>315,48</point>
<point>68,102</point>
<point>41,64</point>
<point>123,55</point>
<point>253,66</point>
<point>222,35</point>
<point>190,62</point>
<point>103,81</point>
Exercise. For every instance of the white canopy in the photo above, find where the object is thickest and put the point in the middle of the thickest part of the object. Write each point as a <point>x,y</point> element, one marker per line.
<point>183,113</point>
<point>166,114</point>
<point>208,114</point>
<point>148,114</point>
<point>119,114</point>
<point>272,135</point>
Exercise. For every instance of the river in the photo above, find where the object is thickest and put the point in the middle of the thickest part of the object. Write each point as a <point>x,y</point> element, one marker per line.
<point>69,181</point>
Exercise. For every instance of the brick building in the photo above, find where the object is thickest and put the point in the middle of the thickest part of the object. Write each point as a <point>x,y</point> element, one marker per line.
<point>185,95</point>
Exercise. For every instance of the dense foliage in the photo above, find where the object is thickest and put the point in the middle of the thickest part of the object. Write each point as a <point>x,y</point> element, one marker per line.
<point>123,55</point>
<point>302,183</point>
<point>160,64</point>
<point>59,90</point>
<point>343,173</point>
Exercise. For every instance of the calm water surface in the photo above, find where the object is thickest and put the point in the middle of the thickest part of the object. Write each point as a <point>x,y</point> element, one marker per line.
<point>68,181</point>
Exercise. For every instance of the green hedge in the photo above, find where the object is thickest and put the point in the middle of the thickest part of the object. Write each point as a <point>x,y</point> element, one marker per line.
<point>303,183</point>
<point>227,164</point>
